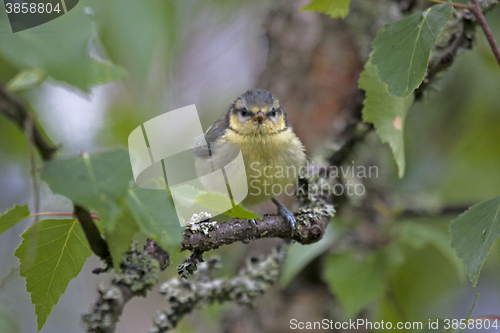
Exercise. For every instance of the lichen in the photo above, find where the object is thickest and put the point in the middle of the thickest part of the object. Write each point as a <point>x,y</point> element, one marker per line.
<point>139,272</point>
<point>312,198</point>
<point>203,289</point>
<point>201,223</point>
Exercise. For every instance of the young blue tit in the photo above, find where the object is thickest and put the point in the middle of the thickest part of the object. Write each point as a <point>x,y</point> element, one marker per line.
<point>272,153</point>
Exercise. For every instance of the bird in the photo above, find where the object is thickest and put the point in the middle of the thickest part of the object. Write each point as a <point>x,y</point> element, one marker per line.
<point>257,124</point>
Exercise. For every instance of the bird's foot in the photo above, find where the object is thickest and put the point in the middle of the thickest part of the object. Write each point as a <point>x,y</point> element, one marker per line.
<point>287,215</point>
<point>253,223</point>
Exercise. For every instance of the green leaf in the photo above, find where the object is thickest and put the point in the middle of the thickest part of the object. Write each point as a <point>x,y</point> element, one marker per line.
<point>125,43</point>
<point>59,48</point>
<point>26,78</point>
<point>473,234</point>
<point>386,112</point>
<point>356,281</point>
<point>300,255</point>
<point>96,181</point>
<point>156,216</point>
<point>334,8</point>
<point>121,235</point>
<point>12,216</point>
<point>402,49</point>
<point>218,202</point>
<point>51,254</point>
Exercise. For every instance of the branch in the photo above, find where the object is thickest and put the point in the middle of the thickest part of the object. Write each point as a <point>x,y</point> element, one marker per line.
<point>353,133</point>
<point>454,210</point>
<point>98,245</point>
<point>139,272</point>
<point>462,40</point>
<point>14,109</point>
<point>202,289</point>
<point>455,5</point>
<point>478,13</point>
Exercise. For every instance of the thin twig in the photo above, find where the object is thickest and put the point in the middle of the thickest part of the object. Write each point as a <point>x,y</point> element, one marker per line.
<point>13,273</point>
<point>202,289</point>
<point>455,5</point>
<point>98,245</point>
<point>440,211</point>
<point>478,13</point>
<point>93,215</point>
<point>31,154</point>
<point>487,317</point>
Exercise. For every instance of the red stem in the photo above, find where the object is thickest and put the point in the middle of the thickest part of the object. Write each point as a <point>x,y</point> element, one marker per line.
<point>93,215</point>
<point>455,5</point>
<point>490,317</point>
<point>478,13</point>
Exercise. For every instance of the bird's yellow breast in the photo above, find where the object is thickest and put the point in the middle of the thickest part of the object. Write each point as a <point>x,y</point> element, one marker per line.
<point>272,163</point>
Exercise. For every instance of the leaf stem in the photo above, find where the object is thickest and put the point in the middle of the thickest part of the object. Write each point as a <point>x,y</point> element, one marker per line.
<point>93,215</point>
<point>455,5</point>
<point>478,13</point>
<point>489,317</point>
<point>31,143</point>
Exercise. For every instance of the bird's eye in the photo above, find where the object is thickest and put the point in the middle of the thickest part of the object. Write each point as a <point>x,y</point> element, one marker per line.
<point>244,112</point>
<point>273,112</point>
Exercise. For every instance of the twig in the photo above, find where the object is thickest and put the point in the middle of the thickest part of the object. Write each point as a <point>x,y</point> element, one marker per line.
<point>457,42</point>
<point>93,215</point>
<point>98,245</point>
<point>189,266</point>
<point>14,109</point>
<point>447,210</point>
<point>139,272</point>
<point>13,272</point>
<point>488,317</point>
<point>31,144</point>
<point>444,61</point>
<point>478,13</point>
<point>202,289</point>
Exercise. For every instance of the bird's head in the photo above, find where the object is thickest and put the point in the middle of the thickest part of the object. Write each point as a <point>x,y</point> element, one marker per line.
<point>257,112</point>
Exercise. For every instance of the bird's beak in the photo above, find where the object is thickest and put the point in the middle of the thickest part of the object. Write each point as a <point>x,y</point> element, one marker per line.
<point>259,117</point>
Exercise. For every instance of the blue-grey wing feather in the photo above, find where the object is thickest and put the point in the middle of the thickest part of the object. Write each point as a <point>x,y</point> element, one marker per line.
<point>213,133</point>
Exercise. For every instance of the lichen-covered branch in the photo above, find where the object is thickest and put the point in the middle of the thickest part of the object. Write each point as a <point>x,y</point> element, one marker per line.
<point>312,225</point>
<point>312,219</point>
<point>202,289</point>
<point>139,272</point>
